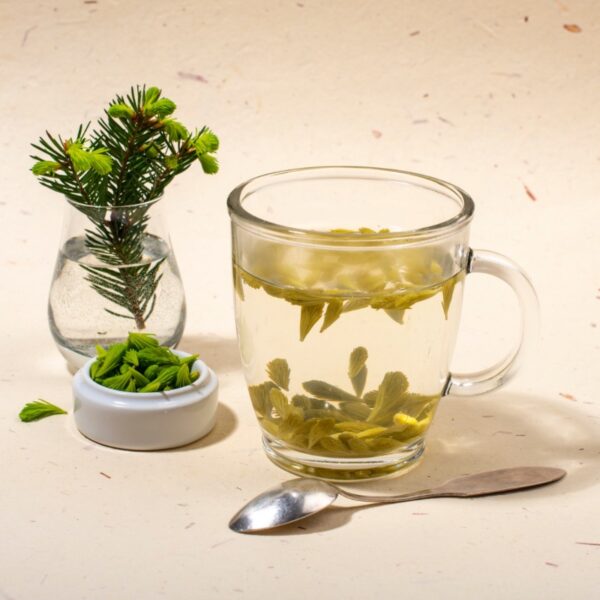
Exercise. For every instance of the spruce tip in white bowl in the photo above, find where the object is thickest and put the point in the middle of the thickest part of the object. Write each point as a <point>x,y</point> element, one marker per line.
<point>146,421</point>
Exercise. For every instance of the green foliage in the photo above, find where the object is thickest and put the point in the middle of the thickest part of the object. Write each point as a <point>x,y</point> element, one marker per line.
<point>171,162</point>
<point>259,396</point>
<point>183,376</point>
<point>332,314</point>
<point>309,316</point>
<point>111,360</point>
<point>278,371</point>
<point>134,153</point>
<point>210,164</point>
<point>140,380</point>
<point>312,301</point>
<point>357,369</point>
<point>175,130</point>
<point>167,376</point>
<point>157,355</point>
<point>131,357</point>
<point>138,341</point>
<point>151,95</point>
<point>33,411</point>
<point>161,108</point>
<point>139,364</point>
<point>389,397</point>
<point>45,167</point>
<point>334,422</point>
<point>118,382</point>
<point>358,358</point>
<point>151,372</point>
<point>206,141</point>
<point>153,386</point>
<point>121,111</point>
<point>326,391</point>
<point>189,360</point>
<point>82,160</point>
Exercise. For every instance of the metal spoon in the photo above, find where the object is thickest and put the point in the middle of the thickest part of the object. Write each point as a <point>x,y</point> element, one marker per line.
<point>300,498</point>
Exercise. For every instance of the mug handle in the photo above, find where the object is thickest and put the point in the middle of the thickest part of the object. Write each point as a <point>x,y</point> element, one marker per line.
<point>486,380</point>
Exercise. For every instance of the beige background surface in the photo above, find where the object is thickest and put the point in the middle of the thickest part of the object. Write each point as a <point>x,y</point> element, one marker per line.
<point>494,96</point>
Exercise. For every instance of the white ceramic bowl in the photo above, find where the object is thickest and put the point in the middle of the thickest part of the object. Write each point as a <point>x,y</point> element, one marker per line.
<point>155,421</point>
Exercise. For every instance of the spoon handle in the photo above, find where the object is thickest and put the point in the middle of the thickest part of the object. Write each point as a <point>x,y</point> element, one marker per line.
<point>419,495</point>
<point>480,484</point>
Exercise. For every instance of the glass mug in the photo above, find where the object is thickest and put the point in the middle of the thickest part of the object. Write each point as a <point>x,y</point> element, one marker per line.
<point>348,288</point>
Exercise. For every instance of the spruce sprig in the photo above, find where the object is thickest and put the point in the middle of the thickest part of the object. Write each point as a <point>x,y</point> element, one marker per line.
<point>124,165</point>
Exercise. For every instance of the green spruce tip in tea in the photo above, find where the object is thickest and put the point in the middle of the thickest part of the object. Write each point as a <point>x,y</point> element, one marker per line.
<point>331,421</point>
<point>141,365</point>
<point>330,305</point>
<point>124,164</point>
<point>348,420</point>
<point>385,284</point>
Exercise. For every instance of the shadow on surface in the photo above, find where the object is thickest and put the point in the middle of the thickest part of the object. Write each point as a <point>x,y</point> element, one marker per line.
<point>331,518</point>
<point>471,435</point>
<point>506,429</point>
<point>221,354</point>
<point>226,424</point>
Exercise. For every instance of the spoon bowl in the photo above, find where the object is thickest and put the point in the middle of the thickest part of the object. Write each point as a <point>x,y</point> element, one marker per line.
<point>288,502</point>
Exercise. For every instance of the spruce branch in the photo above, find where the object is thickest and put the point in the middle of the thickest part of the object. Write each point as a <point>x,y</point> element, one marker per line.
<point>123,165</point>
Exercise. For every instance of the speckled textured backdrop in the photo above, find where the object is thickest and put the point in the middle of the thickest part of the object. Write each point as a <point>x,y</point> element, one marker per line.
<point>499,97</point>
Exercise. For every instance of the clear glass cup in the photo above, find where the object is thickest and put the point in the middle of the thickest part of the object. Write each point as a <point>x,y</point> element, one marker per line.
<point>115,273</point>
<point>348,284</point>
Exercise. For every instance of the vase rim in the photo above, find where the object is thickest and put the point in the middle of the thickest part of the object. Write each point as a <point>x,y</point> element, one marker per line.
<point>77,204</point>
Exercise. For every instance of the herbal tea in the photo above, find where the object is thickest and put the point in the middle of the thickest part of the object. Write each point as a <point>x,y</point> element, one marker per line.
<point>346,334</point>
<point>338,374</point>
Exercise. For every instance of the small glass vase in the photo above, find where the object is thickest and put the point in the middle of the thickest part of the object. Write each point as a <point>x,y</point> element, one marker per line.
<point>115,273</point>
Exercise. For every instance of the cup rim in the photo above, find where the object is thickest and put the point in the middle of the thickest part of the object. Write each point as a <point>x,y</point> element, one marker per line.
<point>241,216</point>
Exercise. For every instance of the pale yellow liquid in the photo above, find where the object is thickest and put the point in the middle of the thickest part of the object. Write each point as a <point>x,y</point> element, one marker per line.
<point>420,347</point>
